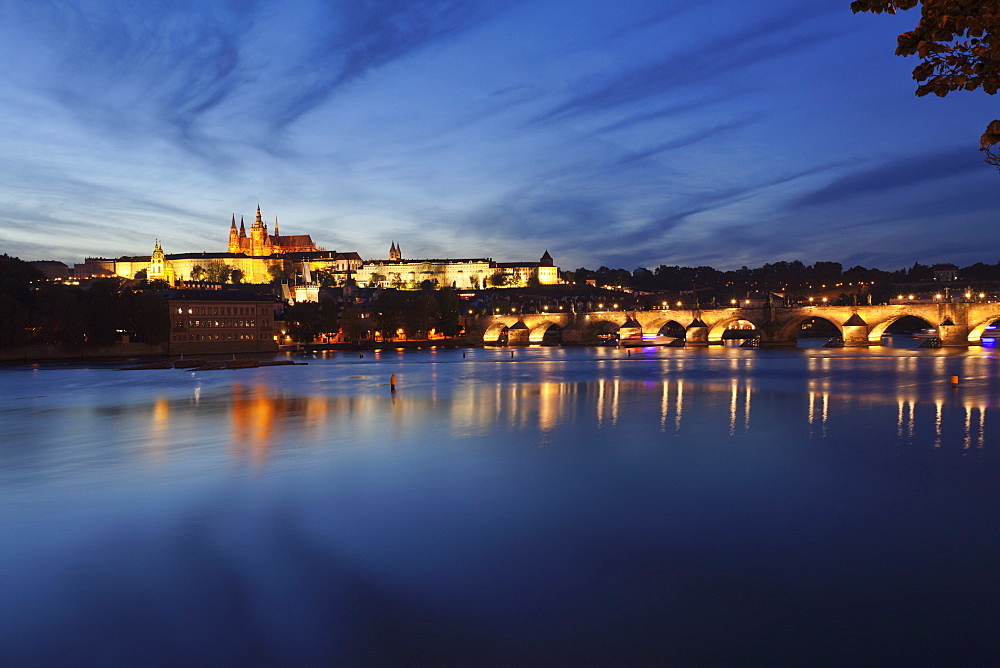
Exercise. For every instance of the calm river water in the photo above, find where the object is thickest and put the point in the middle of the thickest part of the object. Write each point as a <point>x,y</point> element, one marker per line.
<point>568,505</point>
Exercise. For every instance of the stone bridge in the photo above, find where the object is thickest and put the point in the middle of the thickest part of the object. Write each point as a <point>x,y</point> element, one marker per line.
<point>957,323</point>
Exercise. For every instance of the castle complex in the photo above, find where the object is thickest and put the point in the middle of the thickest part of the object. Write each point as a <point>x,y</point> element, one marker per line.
<point>260,257</point>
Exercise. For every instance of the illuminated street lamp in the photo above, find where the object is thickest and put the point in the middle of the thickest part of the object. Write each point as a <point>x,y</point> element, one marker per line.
<point>824,300</point>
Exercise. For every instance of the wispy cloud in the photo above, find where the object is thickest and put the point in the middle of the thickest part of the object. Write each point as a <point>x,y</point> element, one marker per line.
<point>701,135</point>
<point>776,38</point>
<point>899,172</point>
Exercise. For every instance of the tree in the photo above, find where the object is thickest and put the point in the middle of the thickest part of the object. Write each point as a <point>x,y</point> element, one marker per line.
<point>351,325</point>
<point>304,321</point>
<point>325,277</point>
<point>280,270</point>
<point>217,272</point>
<point>376,280</point>
<point>958,42</point>
<point>146,317</point>
<point>498,279</point>
<point>236,276</point>
<point>197,272</point>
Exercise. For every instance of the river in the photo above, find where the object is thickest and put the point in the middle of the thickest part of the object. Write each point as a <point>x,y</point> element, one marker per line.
<point>546,505</point>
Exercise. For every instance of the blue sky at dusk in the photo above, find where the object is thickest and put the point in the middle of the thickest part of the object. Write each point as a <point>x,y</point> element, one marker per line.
<point>638,133</point>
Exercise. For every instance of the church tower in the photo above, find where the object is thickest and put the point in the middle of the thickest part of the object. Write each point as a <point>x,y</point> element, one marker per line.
<point>234,237</point>
<point>394,253</point>
<point>157,264</point>
<point>258,236</point>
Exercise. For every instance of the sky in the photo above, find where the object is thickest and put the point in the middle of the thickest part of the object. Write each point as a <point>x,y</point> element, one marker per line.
<point>624,134</point>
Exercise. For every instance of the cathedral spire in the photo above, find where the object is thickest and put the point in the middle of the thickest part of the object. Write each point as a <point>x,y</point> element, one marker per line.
<point>258,221</point>
<point>276,232</point>
<point>243,230</point>
<point>233,225</point>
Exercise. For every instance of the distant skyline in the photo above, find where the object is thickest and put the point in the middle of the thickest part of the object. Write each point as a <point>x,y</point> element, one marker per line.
<point>720,133</point>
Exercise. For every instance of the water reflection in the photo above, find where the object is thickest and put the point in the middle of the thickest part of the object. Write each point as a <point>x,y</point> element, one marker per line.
<point>258,417</point>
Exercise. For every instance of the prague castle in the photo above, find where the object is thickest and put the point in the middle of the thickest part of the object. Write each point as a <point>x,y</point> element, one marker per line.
<point>261,244</point>
<point>259,257</point>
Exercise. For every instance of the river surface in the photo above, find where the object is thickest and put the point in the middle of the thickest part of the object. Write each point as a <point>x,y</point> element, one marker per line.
<point>568,505</point>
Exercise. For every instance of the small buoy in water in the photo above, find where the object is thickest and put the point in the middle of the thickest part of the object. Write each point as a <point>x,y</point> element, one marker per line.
<point>954,381</point>
<point>630,353</point>
<point>512,353</point>
<point>463,353</point>
<point>392,382</point>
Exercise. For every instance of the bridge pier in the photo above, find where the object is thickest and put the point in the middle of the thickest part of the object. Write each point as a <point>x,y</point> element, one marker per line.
<point>855,336</point>
<point>773,335</point>
<point>517,334</point>
<point>697,334</point>
<point>854,332</point>
<point>953,336</point>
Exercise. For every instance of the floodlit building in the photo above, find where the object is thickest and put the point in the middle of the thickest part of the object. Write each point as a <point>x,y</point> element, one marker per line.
<point>473,273</point>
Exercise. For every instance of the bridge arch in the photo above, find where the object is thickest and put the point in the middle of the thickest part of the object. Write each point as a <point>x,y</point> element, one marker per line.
<point>790,331</point>
<point>976,331</point>
<point>671,328</point>
<point>878,330</point>
<point>545,332</point>
<point>599,330</point>
<point>716,331</point>
<point>495,334</point>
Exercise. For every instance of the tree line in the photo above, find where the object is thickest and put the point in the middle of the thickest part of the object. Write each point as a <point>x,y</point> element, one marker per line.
<point>37,312</point>
<point>792,278</point>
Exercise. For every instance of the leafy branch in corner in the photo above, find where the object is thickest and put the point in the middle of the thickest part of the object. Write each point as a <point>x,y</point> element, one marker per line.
<point>958,43</point>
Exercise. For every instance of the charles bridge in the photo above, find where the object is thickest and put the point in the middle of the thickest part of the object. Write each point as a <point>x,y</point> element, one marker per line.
<point>957,323</point>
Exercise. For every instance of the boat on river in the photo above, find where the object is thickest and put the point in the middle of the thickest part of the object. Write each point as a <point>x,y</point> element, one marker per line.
<point>643,340</point>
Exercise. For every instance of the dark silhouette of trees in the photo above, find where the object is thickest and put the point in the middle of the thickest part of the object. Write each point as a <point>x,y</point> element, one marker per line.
<point>958,43</point>
<point>35,311</point>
